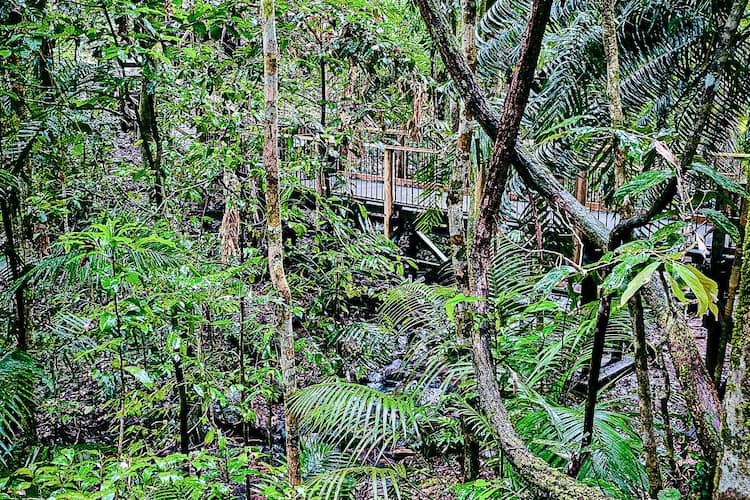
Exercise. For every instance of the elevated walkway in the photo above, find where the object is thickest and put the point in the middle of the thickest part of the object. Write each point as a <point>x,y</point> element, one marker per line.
<point>392,179</point>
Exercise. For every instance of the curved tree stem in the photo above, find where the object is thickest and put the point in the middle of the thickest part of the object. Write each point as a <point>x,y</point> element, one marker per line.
<point>533,469</point>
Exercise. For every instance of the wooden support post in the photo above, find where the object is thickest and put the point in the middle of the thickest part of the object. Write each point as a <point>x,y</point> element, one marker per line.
<point>387,192</point>
<point>581,193</point>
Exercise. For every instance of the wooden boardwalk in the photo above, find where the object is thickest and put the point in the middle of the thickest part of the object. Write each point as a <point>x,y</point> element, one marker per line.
<point>400,178</point>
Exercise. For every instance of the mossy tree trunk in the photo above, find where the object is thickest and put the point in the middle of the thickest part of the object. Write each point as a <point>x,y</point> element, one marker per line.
<point>456,194</point>
<point>733,471</point>
<point>275,241</point>
<point>462,164</point>
<point>645,400</point>
<point>727,323</point>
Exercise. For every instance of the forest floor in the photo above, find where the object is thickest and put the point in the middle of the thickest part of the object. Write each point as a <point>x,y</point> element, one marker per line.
<point>74,416</point>
<point>665,388</point>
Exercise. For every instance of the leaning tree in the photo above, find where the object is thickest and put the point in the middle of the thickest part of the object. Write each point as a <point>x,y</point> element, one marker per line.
<point>707,68</point>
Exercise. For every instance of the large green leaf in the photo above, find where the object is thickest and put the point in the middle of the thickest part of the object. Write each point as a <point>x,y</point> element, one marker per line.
<point>722,222</point>
<point>643,277</point>
<point>643,182</point>
<point>720,179</point>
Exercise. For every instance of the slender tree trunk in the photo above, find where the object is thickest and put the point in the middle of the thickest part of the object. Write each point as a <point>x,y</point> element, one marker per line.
<point>462,165</point>
<point>635,305</point>
<point>597,352</point>
<point>151,149</point>
<point>45,58</point>
<point>617,118</point>
<point>15,264</point>
<point>179,376</point>
<point>275,241</point>
<point>320,171</point>
<point>644,396</point>
<point>727,323</point>
<point>664,410</point>
<point>714,325</point>
<point>455,201</point>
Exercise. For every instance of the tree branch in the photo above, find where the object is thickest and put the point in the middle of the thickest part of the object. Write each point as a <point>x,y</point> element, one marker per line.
<point>534,174</point>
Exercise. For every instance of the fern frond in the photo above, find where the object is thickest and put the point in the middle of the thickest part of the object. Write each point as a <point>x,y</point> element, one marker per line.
<point>356,417</point>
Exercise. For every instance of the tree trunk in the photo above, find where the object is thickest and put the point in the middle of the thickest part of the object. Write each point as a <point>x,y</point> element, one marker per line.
<point>462,165</point>
<point>179,376</point>
<point>597,352</point>
<point>275,241</point>
<point>320,170</point>
<point>701,398</point>
<point>617,118</point>
<point>727,323</point>
<point>19,326</point>
<point>733,470</point>
<point>455,201</point>
<point>644,396</point>
<point>151,149</point>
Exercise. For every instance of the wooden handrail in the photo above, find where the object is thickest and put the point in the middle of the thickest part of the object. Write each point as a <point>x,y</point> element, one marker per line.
<point>401,148</point>
<point>391,147</point>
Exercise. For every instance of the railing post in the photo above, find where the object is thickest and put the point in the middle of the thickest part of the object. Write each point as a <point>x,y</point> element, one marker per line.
<point>387,191</point>
<point>581,195</point>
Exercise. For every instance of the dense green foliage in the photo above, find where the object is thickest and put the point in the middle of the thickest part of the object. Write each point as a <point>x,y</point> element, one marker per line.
<point>139,357</point>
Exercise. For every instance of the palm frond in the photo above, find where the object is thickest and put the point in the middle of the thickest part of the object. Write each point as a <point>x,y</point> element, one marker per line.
<point>319,457</point>
<point>89,256</point>
<point>555,433</point>
<point>9,183</point>
<point>358,482</point>
<point>415,306</point>
<point>493,489</point>
<point>170,492</point>
<point>356,417</point>
<point>373,344</point>
<point>18,381</point>
<point>16,148</point>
